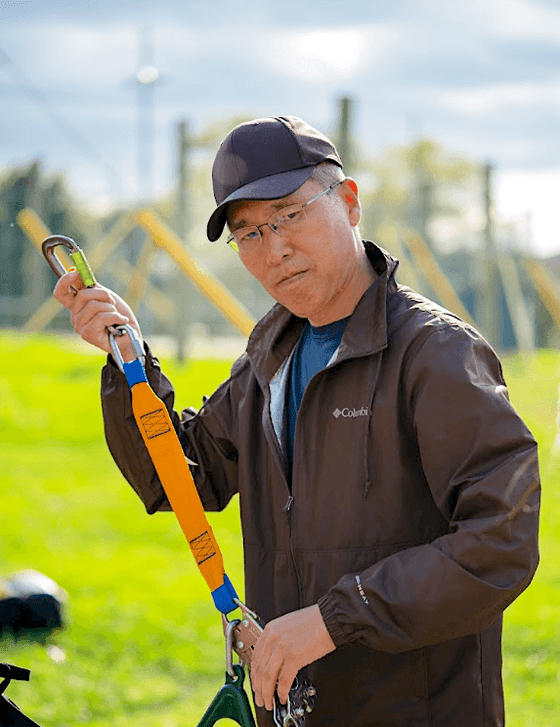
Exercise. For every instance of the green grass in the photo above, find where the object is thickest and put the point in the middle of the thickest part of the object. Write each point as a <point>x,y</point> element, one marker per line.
<point>532,623</point>
<point>144,645</point>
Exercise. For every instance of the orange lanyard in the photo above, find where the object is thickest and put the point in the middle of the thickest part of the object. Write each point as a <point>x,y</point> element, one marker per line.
<point>174,473</point>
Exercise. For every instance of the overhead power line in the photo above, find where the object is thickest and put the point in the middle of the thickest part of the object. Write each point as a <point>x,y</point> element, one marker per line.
<point>62,124</point>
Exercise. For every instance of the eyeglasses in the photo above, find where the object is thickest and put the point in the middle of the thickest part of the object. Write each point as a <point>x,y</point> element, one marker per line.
<point>247,239</point>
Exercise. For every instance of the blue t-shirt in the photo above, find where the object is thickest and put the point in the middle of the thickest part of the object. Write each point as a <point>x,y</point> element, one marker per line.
<point>313,352</point>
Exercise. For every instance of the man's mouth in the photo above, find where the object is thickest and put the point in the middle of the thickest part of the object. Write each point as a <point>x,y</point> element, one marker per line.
<point>292,276</point>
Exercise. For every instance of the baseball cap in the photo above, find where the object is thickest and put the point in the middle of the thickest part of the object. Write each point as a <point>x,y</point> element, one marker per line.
<point>266,158</point>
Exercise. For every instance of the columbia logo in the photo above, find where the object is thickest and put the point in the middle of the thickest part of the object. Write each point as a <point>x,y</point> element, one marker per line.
<point>351,413</point>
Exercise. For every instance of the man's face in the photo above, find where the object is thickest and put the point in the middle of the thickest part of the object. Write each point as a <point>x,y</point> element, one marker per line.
<point>317,270</point>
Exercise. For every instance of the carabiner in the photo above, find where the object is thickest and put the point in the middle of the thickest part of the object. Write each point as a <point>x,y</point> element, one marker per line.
<point>136,345</point>
<point>76,253</point>
<point>230,636</point>
<point>79,260</point>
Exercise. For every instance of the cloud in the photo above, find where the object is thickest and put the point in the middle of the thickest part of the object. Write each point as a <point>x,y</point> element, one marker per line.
<point>530,198</point>
<point>502,97</point>
<point>63,56</point>
<point>324,54</point>
<point>514,19</point>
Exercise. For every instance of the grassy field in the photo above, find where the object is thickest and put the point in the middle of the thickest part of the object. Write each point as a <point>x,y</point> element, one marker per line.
<point>144,645</point>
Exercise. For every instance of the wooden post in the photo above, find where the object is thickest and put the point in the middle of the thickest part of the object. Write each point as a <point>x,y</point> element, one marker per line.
<point>182,142</point>
<point>423,193</point>
<point>344,136</point>
<point>488,301</point>
<point>183,318</point>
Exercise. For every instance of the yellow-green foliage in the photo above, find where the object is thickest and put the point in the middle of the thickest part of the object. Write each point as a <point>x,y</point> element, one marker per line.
<point>144,645</point>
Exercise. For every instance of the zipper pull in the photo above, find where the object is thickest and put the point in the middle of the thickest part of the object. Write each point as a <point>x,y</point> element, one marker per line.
<point>288,505</point>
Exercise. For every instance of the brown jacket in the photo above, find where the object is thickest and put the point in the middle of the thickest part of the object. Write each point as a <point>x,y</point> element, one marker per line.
<point>413,515</point>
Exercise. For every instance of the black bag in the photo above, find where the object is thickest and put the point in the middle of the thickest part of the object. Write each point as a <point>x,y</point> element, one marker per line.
<point>10,715</point>
<point>32,617</point>
<point>31,606</point>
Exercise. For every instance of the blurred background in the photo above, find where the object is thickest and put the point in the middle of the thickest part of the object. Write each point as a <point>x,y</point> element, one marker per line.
<point>447,115</point>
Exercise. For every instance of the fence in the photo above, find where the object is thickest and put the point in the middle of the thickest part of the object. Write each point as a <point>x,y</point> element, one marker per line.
<point>419,269</point>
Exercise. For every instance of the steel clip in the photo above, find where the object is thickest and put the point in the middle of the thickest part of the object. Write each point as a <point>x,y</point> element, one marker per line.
<point>137,346</point>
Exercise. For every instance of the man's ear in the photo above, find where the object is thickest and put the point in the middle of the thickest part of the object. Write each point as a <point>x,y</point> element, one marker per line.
<point>352,184</point>
<point>350,196</point>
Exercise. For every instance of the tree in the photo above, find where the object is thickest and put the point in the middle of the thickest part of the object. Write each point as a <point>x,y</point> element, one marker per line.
<point>422,186</point>
<point>25,279</point>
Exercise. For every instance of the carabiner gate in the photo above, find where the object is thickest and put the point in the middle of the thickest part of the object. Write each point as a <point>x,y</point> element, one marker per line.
<point>76,253</point>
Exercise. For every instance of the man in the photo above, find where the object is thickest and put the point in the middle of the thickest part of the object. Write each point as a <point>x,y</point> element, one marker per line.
<point>388,490</point>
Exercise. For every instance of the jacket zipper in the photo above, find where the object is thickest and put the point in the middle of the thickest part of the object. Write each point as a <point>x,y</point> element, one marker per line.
<point>271,435</point>
<point>288,511</point>
<point>288,505</point>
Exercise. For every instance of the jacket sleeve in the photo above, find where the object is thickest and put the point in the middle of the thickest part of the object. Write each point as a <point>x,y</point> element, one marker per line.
<point>203,435</point>
<point>480,463</point>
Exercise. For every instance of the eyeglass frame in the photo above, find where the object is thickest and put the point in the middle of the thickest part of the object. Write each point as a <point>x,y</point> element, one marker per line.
<point>231,241</point>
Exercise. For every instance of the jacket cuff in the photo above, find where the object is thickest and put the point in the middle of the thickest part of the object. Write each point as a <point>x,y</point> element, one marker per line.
<point>327,609</point>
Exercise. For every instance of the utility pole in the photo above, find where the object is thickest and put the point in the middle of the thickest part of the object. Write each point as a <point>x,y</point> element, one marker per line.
<point>146,77</point>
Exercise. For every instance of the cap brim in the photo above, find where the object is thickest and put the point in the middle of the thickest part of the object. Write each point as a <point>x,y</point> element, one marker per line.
<point>273,187</point>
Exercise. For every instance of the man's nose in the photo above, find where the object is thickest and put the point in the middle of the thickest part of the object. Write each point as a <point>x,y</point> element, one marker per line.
<point>277,246</point>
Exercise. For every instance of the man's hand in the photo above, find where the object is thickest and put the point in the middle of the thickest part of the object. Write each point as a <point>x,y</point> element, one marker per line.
<point>93,310</point>
<point>286,645</point>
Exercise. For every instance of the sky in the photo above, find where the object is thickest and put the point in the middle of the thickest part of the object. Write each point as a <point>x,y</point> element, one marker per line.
<point>482,77</point>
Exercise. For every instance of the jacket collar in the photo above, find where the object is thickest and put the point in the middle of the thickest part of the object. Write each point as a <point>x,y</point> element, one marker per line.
<point>276,334</point>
